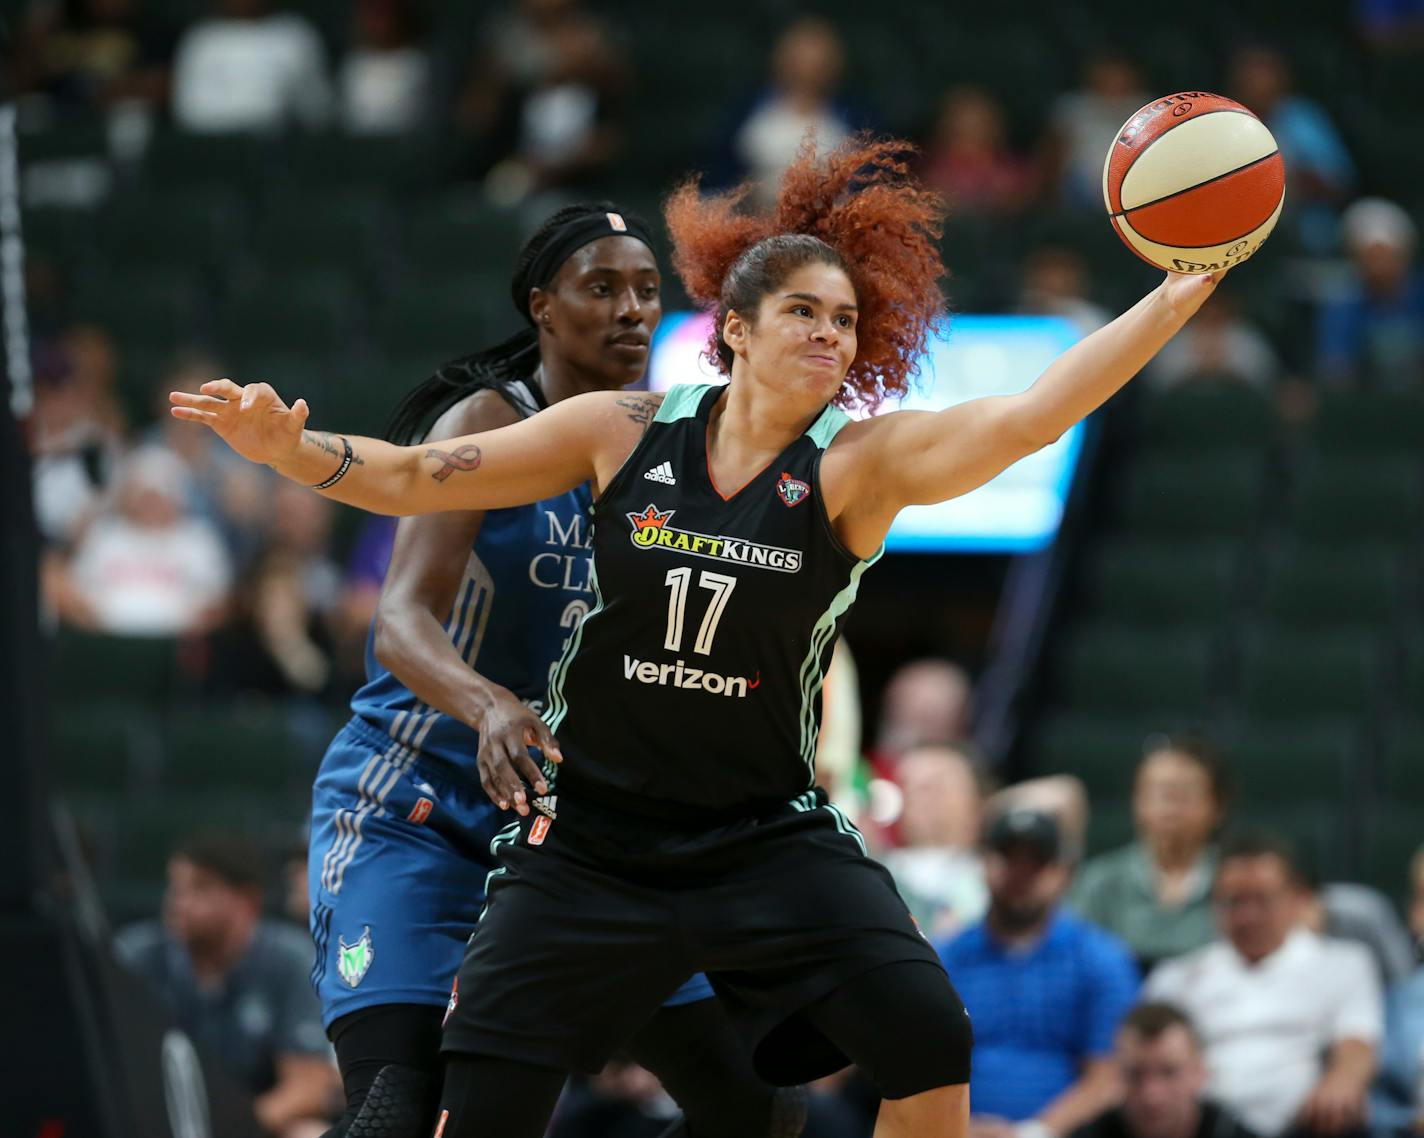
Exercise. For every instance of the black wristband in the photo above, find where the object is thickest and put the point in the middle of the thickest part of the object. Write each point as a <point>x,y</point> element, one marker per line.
<point>340,470</point>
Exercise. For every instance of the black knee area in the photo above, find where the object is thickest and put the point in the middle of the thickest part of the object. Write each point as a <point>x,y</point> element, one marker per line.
<point>392,1052</point>
<point>902,1024</point>
<point>487,1097</point>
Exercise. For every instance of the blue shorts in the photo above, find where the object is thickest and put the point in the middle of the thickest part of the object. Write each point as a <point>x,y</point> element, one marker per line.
<point>397,865</point>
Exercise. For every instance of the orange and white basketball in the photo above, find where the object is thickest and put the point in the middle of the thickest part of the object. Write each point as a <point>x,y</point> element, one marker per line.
<point>1194,182</point>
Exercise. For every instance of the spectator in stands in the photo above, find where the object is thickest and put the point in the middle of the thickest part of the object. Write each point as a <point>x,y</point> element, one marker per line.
<point>925,701</point>
<point>383,86</point>
<point>1163,1080</point>
<point>1319,171</point>
<point>1046,991</point>
<point>1391,25</point>
<point>800,99</point>
<point>146,568</point>
<point>968,156</point>
<point>281,643</point>
<point>623,1100</point>
<point>937,868</point>
<point>248,68</point>
<point>545,100</point>
<point>1084,123</point>
<point>1397,1101</point>
<point>238,983</point>
<point>1223,346</point>
<point>1290,1020</point>
<point>1346,910</point>
<point>1372,333</point>
<point>234,496</point>
<point>1055,283</point>
<point>76,430</point>
<point>1156,892</point>
<point>89,54</point>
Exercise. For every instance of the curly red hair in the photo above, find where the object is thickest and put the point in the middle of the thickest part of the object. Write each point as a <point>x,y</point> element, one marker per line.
<point>881,225</point>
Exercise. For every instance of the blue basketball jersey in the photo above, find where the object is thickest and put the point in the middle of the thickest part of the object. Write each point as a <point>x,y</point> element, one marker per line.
<point>526,586</point>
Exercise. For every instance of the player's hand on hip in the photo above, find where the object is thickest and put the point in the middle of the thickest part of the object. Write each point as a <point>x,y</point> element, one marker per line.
<point>252,420</point>
<point>508,729</point>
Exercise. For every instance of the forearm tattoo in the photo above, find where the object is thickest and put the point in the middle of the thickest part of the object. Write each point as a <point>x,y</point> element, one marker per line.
<point>640,408</point>
<point>462,459</point>
<point>334,445</point>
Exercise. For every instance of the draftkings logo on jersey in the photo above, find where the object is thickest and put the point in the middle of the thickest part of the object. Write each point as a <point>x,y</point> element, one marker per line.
<point>651,530</point>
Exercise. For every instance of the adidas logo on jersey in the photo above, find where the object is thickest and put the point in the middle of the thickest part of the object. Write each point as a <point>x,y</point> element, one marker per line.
<point>661,473</point>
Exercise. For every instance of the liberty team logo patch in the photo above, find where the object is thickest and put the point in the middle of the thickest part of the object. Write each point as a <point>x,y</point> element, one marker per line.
<point>792,491</point>
<point>353,961</point>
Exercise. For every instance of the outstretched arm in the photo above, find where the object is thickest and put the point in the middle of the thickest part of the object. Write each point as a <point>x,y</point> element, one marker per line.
<point>922,457</point>
<point>579,439</point>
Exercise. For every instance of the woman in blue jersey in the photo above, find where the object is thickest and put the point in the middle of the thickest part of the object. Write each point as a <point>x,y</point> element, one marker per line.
<point>476,608</point>
<point>734,524</point>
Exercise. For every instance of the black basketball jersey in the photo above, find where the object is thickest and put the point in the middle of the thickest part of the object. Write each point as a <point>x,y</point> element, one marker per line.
<point>692,689</point>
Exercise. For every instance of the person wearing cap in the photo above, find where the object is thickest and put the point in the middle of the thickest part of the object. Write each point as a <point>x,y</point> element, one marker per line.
<point>1371,333</point>
<point>1045,989</point>
<point>476,608</point>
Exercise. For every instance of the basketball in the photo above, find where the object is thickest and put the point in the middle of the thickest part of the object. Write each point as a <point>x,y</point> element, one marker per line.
<point>1194,182</point>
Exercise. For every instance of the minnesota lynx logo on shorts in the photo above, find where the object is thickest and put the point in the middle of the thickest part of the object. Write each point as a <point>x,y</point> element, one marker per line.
<point>652,531</point>
<point>353,961</point>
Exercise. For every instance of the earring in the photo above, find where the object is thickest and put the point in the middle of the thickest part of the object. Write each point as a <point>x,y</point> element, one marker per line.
<point>544,318</point>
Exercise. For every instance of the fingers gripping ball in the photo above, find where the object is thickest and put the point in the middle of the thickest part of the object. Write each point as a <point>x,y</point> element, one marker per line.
<point>1194,183</point>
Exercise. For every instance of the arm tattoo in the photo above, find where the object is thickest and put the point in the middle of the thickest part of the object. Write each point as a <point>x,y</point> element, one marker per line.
<point>640,408</point>
<point>463,459</point>
<point>328,443</point>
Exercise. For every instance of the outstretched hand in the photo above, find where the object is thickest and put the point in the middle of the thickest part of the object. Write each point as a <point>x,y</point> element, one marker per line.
<point>252,420</point>
<point>1186,292</point>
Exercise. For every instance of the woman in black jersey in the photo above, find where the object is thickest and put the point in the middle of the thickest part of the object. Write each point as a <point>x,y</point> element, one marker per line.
<point>587,284</point>
<point>683,829</point>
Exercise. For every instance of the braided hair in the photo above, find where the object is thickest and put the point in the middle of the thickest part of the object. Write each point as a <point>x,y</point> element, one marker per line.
<point>493,368</point>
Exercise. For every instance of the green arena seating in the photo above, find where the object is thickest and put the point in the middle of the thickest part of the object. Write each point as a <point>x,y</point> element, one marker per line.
<point>252,748</point>
<point>331,231</point>
<point>460,235</point>
<point>1110,825</point>
<point>1316,587</point>
<point>1162,582</point>
<point>1209,417</point>
<point>1369,423</point>
<point>440,317</point>
<point>1290,672</point>
<point>88,666</point>
<point>238,163</point>
<point>147,830</point>
<point>1137,671</point>
<point>106,747</point>
<point>65,237</point>
<point>402,163</point>
<point>141,305</point>
<point>1100,748</point>
<point>1288,760</point>
<point>311,311</point>
<point>189,228</point>
<point>1392,836</point>
<point>1402,766</point>
<point>1190,497</point>
<point>1353,499</point>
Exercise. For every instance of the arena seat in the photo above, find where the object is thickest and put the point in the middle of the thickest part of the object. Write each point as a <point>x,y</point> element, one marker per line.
<point>1352,499</point>
<point>339,231</point>
<point>458,234</point>
<point>105,749</point>
<point>193,227</point>
<point>309,311</point>
<point>1137,671</point>
<point>1318,587</point>
<point>1127,576</point>
<point>1100,748</point>
<point>250,748</point>
<point>1208,417</point>
<point>1369,423</point>
<point>1287,672</point>
<point>1188,497</point>
<point>1296,761</point>
<point>85,667</point>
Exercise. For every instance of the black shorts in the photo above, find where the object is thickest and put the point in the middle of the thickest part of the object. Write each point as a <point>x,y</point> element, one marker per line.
<point>588,931</point>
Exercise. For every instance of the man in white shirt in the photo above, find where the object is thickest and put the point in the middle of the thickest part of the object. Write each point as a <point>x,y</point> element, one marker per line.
<point>248,69</point>
<point>1290,1020</point>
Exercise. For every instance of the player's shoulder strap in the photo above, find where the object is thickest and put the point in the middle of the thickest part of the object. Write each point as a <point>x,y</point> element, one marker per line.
<point>684,401</point>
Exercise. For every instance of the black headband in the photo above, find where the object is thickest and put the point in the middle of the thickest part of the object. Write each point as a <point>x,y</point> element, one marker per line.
<point>568,240</point>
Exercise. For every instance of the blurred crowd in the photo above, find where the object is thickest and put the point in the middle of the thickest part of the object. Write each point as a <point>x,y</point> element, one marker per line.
<point>186,542</point>
<point>1199,982</point>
